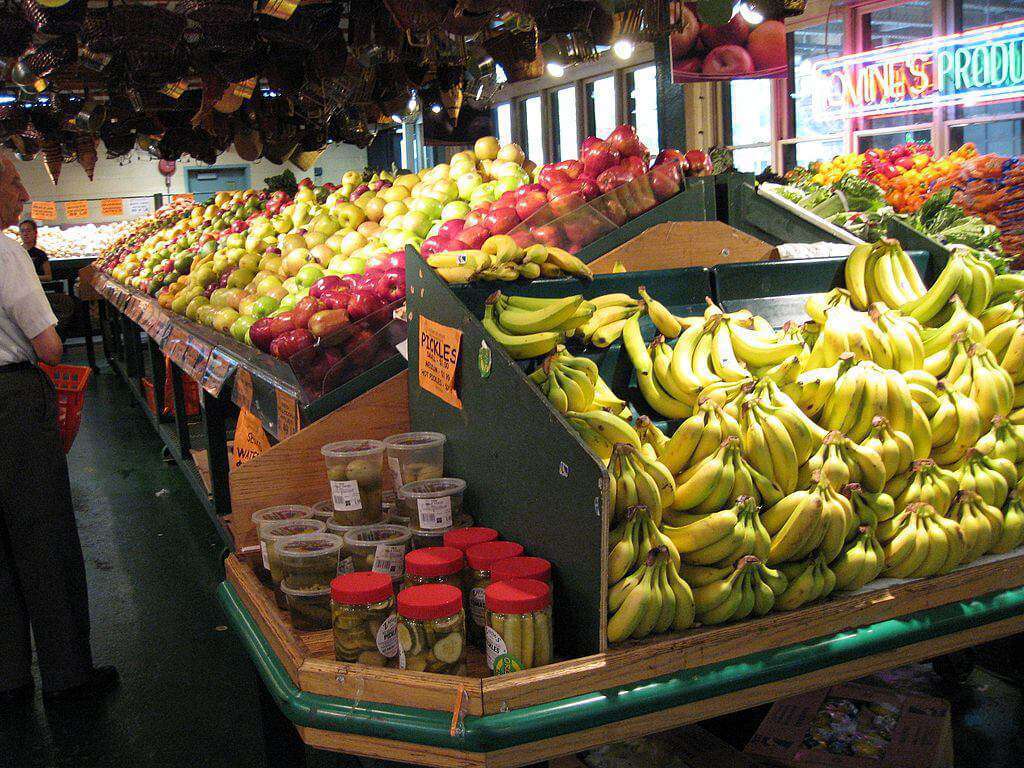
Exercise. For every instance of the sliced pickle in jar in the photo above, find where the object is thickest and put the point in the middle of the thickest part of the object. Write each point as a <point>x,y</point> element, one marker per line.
<point>372,659</point>
<point>416,663</point>
<point>411,638</point>
<point>448,649</point>
<point>541,639</point>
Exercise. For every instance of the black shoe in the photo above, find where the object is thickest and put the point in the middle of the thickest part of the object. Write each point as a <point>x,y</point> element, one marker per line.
<point>101,680</point>
<point>17,696</point>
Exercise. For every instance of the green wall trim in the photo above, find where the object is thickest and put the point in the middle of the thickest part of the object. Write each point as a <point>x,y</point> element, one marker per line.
<point>510,729</point>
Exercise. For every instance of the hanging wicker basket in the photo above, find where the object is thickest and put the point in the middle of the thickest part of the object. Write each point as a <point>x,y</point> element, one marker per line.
<point>53,158</point>
<point>63,20</point>
<point>15,30</point>
<point>517,52</point>
<point>85,149</point>
<point>249,145</point>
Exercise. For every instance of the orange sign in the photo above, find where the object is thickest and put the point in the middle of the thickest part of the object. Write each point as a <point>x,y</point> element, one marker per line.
<point>112,207</point>
<point>76,209</point>
<point>241,393</point>
<point>44,211</point>
<point>188,197</point>
<point>250,439</point>
<point>438,360</point>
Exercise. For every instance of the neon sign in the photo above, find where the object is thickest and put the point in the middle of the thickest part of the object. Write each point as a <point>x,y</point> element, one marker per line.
<point>984,64</point>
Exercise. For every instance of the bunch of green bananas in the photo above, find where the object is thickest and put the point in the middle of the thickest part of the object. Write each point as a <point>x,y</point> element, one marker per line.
<point>981,523</point>
<point>882,272</point>
<point>819,519</point>
<point>719,480</point>
<point>601,430</point>
<point>841,461</point>
<point>807,581</point>
<point>652,387</point>
<point>861,561</point>
<point>894,448</point>
<point>734,592</point>
<point>990,478</point>
<point>630,542</point>
<point>939,341</point>
<point>921,542</point>
<point>635,478</point>
<point>870,509</point>
<point>654,598</point>
<point>698,437</point>
<point>720,537</point>
<point>956,425</point>
<point>611,312</point>
<point>530,327</point>
<point>1013,525</point>
<point>927,482</point>
<point>500,258</point>
<point>1003,441</point>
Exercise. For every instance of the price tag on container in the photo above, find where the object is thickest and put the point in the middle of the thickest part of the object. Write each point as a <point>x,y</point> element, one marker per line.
<point>139,206</point>
<point>196,357</point>
<point>43,211</point>
<point>76,209</point>
<point>241,392</point>
<point>287,415</point>
<point>113,207</point>
<point>217,371</point>
<point>438,359</point>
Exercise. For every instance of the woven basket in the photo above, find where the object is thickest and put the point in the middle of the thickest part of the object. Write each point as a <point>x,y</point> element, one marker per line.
<point>15,30</point>
<point>220,25</point>
<point>307,28</point>
<point>518,53</point>
<point>249,145</point>
<point>63,20</point>
<point>53,158</point>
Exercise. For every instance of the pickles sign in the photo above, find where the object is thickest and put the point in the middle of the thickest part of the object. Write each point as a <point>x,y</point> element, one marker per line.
<point>980,65</point>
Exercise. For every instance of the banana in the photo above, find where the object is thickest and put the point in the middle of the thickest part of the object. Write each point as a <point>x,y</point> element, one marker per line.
<point>708,482</point>
<point>1012,535</point>
<point>666,323</point>
<point>724,362</point>
<point>568,263</point>
<point>907,551</point>
<point>757,350</point>
<point>661,355</point>
<point>1006,284</point>
<point>521,347</point>
<point>925,308</point>
<point>612,428</point>
<point>860,562</point>
<point>656,397</point>
<point>982,524</point>
<point>953,435</point>
<point>475,260</point>
<point>614,300</point>
<point>992,479</point>
<point>869,509</point>
<point>807,583</point>
<point>607,334</point>
<point>854,271</point>
<point>702,533</point>
<point>895,449</point>
<point>624,620</point>
<point>719,602</point>
<point>623,555</point>
<point>604,316</point>
<point>800,532</point>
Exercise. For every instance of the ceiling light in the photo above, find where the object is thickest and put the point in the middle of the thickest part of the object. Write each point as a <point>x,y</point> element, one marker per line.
<point>411,106</point>
<point>396,118</point>
<point>435,108</point>
<point>750,15</point>
<point>555,69</point>
<point>623,48</point>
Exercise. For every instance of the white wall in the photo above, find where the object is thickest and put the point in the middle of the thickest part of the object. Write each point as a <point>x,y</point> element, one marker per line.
<point>137,175</point>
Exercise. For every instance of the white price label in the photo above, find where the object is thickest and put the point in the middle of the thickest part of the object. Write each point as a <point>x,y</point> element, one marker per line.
<point>390,559</point>
<point>495,646</point>
<point>435,513</point>
<point>477,605</point>
<point>401,657</point>
<point>265,554</point>
<point>345,496</point>
<point>345,565</point>
<point>387,637</point>
<point>396,471</point>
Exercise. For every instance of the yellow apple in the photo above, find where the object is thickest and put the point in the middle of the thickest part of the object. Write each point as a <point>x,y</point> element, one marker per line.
<point>395,208</point>
<point>486,148</point>
<point>351,242</point>
<point>322,254</point>
<point>511,152</point>
<point>352,177</point>
<point>291,242</point>
<point>314,239</point>
<point>295,260</point>
<point>351,215</point>
<point>375,209</point>
<point>395,193</point>
<point>369,228</point>
<point>407,180</point>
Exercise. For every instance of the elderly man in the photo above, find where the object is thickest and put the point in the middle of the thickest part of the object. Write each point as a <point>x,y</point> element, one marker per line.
<point>42,575</point>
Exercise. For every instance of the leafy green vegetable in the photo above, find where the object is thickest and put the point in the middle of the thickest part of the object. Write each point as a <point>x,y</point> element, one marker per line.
<point>932,206</point>
<point>971,231</point>
<point>852,193</point>
<point>283,181</point>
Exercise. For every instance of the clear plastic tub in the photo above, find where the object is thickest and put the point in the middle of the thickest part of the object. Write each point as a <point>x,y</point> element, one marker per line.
<point>434,565</point>
<point>379,548</point>
<point>518,631</point>
<point>345,561</point>
<point>432,629</point>
<point>310,560</point>
<point>413,456</point>
<point>432,505</point>
<point>354,468</point>
<point>363,610</point>
<point>275,515</point>
<point>310,609</point>
<point>272,533</point>
<point>324,510</point>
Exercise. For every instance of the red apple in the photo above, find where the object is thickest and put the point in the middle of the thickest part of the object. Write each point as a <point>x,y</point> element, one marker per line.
<point>507,200</point>
<point>616,177</point>
<point>549,234</point>
<point>735,32</point>
<point>362,303</point>
<point>550,176</point>
<point>565,197</point>
<point>394,260</point>
<point>700,163</point>
<point>335,298</point>
<point>681,41</point>
<point>473,237</point>
<point>450,229</point>
<point>635,165</point>
<point>588,142</point>
<point>597,157</point>
<point>305,308</point>
<point>522,237</point>
<point>290,343</point>
<point>260,333</point>
<point>435,244</point>
<point>665,180</point>
<point>672,156</point>
<point>325,283</point>
<point>519,192</point>
<point>625,141</point>
<point>500,220</point>
<point>588,186</point>
<point>531,202</point>
<point>391,286</point>
<point>282,323</point>
<point>767,45</point>
<point>476,217</point>
<point>728,61</point>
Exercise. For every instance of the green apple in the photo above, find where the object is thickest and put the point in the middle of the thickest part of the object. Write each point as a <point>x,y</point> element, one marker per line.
<point>288,302</point>
<point>308,275</point>
<point>314,239</point>
<point>392,239</point>
<point>204,275</point>
<point>219,298</point>
<point>485,193</point>
<point>350,215</point>
<point>223,319</point>
<point>267,283</point>
<point>240,327</point>
<point>444,191</point>
<point>299,214</point>
<point>351,265</point>
<point>305,195</point>
<point>457,209</point>
<point>194,305</point>
<point>292,241</point>
<point>250,261</point>
<point>468,183</point>
<point>263,306</point>
<point>417,222</point>
<point>180,302</point>
<point>240,278</point>
<point>291,284</point>
<point>393,209</point>
<point>325,225</point>
<point>351,242</point>
<point>427,206</point>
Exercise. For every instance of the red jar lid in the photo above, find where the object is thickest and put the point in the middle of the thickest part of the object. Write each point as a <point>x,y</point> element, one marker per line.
<point>522,568</point>
<point>361,588</point>
<point>464,538</point>
<point>482,556</point>
<point>517,596</point>
<point>433,561</point>
<point>429,601</point>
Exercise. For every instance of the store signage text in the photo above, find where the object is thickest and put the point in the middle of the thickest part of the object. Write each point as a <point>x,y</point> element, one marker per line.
<point>981,65</point>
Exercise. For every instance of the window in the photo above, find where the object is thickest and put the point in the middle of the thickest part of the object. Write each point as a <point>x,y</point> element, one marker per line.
<point>1004,137</point>
<point>890,140</point>
<point>601,110</point>
<point>899,24</point>
<point>503,119</point>
<point>563,123</point>
<point>806,47</point>
<point>750,124</point>
<point>642,91</point>
<point>531,128</point>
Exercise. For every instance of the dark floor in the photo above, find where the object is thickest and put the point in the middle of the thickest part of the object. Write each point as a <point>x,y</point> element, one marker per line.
<point>187,696</point>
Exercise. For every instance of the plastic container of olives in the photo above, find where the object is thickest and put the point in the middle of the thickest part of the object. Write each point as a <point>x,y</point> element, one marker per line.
<point>518,631</point>
<point>413,456</point>
<point>345,562</point>
<point>324,510</point>
<point>379,548</point>
<point>272,533</point>
<point>354,468</point>
<point>432,629</point>
<point>432,505</point>
<point>364,619</point>
<point>421,539</point>
<point>310,609</point>
<point>434,565</point>
<point>480,558</point>
<point>275,515</point>
<point>309,560</point>
<point>523,567</point>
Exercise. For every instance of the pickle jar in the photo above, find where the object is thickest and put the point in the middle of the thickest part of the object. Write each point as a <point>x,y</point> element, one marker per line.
<point>518,631</point>
<point>310,609</point>
<point>309,560</point>
<point>432,505</point>
<point>434,565</point>
<point>275,515</point>
<point>413,456</point>
<point>271,534</point>
<point>354,468</point>
<point>536,568</point>
<point>479,560</point>
<point>363,615</point>
<point>464,538</point>
<point>423,539</point>
<point>379,548</point>
<point>432,629</point>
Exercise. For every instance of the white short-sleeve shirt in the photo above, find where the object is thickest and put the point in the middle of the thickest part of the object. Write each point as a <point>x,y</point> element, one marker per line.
<point>24,309</point>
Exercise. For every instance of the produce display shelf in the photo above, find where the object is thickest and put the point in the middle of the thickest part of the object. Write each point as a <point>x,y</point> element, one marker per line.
<point>910,238</point>
<point>641,688</point>
<point>776,220</point>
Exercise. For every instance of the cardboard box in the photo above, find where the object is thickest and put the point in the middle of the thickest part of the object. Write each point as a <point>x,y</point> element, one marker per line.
<point>677,244</point>
<point>856,726</point>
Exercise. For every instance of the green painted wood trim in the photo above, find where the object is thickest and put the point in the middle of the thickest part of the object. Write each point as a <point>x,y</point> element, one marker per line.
<point>578,713</point>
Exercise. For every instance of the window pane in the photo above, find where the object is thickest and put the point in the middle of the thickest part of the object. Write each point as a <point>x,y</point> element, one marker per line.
<point>807,46</point>
<point>805,152</point>
<point>601,106</point>
<point>1005,137</point>
<point>752,159</point>
<point>404,146</point>
<point>563,123</point>
<point>504,120</point>
<point>985,13</point>
<point>643,106</point>
<point>890,140</point>
<point>751,111</point>
<point>900,24</point>
<point>534,134</point>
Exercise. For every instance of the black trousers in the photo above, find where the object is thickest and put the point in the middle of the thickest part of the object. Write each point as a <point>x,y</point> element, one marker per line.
<point>42,574</point>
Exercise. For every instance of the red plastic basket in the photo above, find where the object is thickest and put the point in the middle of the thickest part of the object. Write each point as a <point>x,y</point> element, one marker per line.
<point>70,381</point>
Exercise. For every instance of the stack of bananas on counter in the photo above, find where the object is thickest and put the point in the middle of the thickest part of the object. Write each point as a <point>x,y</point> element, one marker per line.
<point>760,469</point>
<point>501,258</point>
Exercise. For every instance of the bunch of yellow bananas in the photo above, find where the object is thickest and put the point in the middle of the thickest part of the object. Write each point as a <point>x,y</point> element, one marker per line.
<point>807,581</point>
<point>734,592</point>
<point>653,598</point>
<point>991,478</point>
<point>860,562</point>
<point>722,537</point>
<point>922,542</point>
<point>980,522</point>
<point>501,258</point>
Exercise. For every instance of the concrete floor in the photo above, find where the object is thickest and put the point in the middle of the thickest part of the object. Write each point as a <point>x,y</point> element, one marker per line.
<point>187,697</point>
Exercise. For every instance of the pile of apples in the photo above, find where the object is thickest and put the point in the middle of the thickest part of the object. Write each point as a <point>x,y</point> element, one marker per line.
<point>734,49</point>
